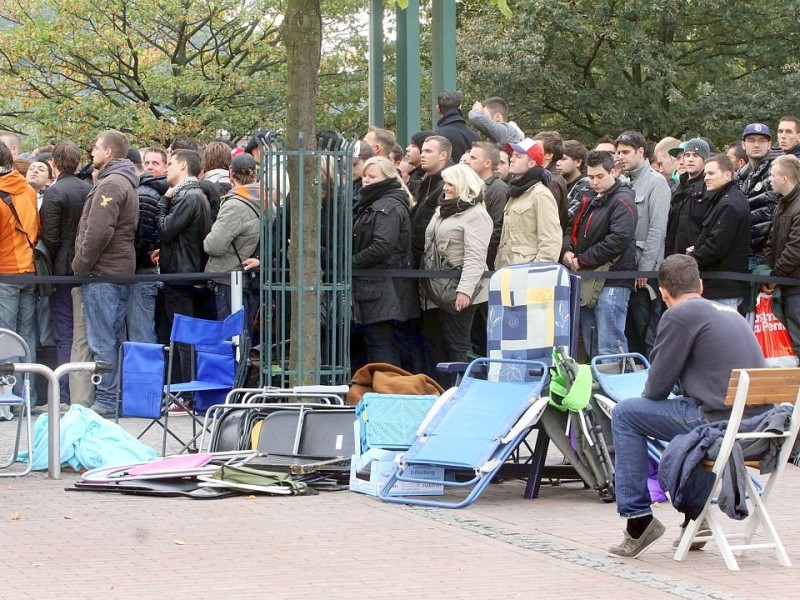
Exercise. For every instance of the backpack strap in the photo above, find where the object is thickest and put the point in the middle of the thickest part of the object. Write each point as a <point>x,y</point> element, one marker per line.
<point>10,203</point>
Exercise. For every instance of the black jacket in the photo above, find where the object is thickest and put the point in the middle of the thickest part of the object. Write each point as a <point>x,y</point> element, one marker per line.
<point>183,223</point>
<point>60,214</point>
<point>723,243</point>
<point>782,252</point>
<point>495,196</point>
<point>453,126</point>
<point>604,229</point>
<point>686,213</point>
<point>150,190</point>
<point>558,187</point>
<point>427,195</point>
<point>755,185</point>
<point>382,240</point>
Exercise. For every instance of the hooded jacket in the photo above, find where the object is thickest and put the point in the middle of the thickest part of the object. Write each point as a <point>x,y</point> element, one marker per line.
<point>604,230</point>
<point>107,229</point>
<point>238,224</point>
<point>16,255</point>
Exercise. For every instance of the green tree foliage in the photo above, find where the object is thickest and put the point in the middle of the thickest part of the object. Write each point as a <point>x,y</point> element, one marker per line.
<point>666,68</point>
<point>161,67</point>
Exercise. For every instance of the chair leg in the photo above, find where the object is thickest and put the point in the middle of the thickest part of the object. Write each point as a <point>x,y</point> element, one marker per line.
<point>537,463</point>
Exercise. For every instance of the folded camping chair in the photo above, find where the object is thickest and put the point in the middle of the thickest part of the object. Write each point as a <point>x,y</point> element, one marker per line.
<point>749,387</point>
<point>470,432</point>
<point>146,383</point>
<point>572,424</point>
<point>533,308</point>
<point>622,376</point>
<point>13,349</point>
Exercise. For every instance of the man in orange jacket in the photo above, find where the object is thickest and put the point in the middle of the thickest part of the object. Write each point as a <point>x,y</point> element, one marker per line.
<point>18,233</point>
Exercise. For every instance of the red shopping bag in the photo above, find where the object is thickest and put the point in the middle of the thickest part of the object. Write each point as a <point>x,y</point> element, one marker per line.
<point>776,345</point>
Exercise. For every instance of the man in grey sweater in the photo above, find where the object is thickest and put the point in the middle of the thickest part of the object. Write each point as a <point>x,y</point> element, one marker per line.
<point>652,209</point>
<point>699,343</point>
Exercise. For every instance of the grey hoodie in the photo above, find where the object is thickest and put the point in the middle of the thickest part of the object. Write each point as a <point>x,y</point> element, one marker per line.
<point>107,229</point>
<point>499,133</point>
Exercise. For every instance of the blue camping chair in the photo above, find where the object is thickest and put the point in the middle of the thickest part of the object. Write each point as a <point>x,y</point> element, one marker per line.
<point>471,431</point>
<point>13,349</point>
<point>147,385</point>
<point>533,307</point>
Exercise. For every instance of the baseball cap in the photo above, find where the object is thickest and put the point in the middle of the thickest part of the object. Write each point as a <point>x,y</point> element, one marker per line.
<point>698,145</point>
<point>243,162</point>
<point>756,129</point>
<point>362,150</point>
<point>677,149</point>
<point>532,148</point>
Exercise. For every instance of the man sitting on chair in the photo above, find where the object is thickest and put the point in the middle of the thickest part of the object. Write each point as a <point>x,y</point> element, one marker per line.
<point>698,344</point>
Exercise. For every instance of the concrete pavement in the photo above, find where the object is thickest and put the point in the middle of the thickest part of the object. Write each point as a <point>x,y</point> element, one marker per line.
<point>60,544</point>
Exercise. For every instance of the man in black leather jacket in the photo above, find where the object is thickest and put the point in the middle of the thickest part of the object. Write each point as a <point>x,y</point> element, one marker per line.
<point>184,220</point>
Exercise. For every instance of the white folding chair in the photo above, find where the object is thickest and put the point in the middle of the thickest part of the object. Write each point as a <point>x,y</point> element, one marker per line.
<point>750,387</point>
<point>13,349</point>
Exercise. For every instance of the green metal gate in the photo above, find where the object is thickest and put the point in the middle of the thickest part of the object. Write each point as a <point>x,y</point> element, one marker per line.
<point>328,235</point>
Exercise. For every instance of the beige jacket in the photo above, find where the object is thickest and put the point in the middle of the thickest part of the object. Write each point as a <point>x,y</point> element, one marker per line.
<point>531,229</point>
<point>463,240</point>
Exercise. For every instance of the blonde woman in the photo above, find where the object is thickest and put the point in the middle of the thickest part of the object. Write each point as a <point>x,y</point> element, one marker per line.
<point>382,240</point>
<point>456,238</point>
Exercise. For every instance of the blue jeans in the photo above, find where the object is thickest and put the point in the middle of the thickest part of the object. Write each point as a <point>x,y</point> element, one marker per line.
<point>18,313</point>
<point>732,302</point>
<point>141,312</point>
<point>104,306</point>
<point>632,422</point>
<point>607,319</point>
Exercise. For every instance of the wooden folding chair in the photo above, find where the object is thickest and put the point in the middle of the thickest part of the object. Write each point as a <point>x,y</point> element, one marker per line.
<point>749,387</point>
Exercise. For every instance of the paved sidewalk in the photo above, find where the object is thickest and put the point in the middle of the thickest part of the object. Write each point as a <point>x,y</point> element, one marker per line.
<point>62,544</point>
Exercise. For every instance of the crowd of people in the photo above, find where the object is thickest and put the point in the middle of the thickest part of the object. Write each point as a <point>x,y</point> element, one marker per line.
<point>154,210</point>
<point>622,205</point>
<point>473,194</point>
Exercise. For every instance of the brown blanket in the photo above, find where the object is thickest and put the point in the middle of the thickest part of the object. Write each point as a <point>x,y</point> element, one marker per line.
<point>384,378</point>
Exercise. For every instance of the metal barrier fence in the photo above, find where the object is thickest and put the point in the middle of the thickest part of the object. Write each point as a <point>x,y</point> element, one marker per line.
<point>306,260</point>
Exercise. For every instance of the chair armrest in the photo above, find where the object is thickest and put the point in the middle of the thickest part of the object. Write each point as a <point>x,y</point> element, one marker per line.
<point>452,367</point>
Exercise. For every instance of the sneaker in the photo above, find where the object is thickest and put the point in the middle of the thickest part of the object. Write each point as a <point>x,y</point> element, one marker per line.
<point>178,411</point>
<point>704,530</point>
<point>104,411</point>
<point>632,547</point>
<point>6,414</point>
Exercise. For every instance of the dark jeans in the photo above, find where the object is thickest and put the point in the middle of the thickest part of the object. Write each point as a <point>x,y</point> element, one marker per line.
<point>381,342</point>
<point>447,339</point>
<point>61,312</point>
<point>791,317</point>
<point>643,317</point>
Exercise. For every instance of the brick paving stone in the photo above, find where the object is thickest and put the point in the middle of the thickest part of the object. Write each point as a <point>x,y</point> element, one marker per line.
<point>343,545</point>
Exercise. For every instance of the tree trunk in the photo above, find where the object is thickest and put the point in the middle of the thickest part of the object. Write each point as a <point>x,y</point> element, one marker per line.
<point>303,39</point>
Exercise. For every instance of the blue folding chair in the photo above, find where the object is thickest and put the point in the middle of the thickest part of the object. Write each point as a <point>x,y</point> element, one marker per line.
<point>470,432</point>
<point>14,349</point>
<point>147,385</point>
